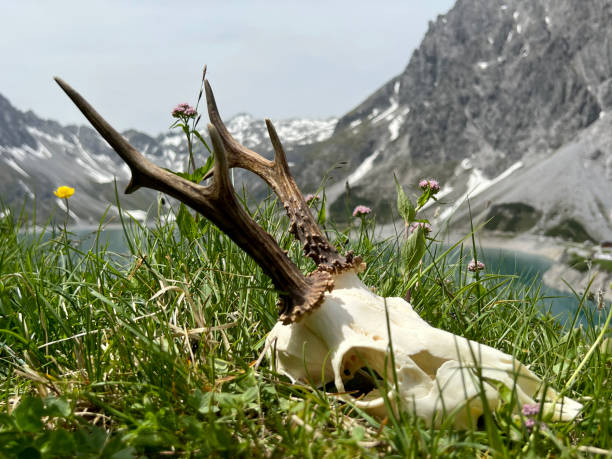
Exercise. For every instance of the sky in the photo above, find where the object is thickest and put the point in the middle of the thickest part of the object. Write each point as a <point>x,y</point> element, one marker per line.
<point>135,60</point>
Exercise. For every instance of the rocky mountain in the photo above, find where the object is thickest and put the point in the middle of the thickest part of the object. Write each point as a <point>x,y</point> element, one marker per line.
<point>504,103</point>
<point>37,156</point>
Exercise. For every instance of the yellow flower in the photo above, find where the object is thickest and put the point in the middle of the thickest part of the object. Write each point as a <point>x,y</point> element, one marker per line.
<point>64,192</point>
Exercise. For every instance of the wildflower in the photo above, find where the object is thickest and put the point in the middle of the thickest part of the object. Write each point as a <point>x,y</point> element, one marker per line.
<point>64,192</point>
<point>361,211</point>
<point>309,198</point>
<point>425,226</point>
<point>475,266</point>
<point>431,184</point>
<point>184,110</point>
<point>530,423</point>
<point>530,409</point>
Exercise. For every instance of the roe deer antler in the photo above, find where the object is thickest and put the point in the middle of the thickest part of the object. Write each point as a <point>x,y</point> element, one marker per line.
<point>217,202</point>
<point>277,175</point>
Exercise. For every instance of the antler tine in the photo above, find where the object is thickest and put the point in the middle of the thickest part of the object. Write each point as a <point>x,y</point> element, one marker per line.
<point>218,203</point>
<point>277,175</point>
<point>237,154</point>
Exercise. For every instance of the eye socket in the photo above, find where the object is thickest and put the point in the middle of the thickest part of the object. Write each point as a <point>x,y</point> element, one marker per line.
<point>364,381</point>
<point>480,422</point>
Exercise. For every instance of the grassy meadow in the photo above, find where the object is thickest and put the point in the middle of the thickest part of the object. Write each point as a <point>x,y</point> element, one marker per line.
<point>158,351</point>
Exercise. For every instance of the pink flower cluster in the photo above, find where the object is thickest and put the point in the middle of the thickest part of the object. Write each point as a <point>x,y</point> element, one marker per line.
<point>431,184</point>
<point>474,266</point>
<point>184,110</point>
<point>361,211</point>
<point>530,411</point>
<point>311,197</point>
<point>426,227</point>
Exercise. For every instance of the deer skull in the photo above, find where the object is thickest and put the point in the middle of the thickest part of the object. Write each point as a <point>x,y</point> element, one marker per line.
<point>438,373</point>
<point>331,326</point>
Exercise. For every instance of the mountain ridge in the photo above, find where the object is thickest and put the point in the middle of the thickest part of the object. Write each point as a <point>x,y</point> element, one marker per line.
<point>38,155</point>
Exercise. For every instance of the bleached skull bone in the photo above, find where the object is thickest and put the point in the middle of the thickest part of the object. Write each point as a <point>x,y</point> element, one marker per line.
<point>439,374</point>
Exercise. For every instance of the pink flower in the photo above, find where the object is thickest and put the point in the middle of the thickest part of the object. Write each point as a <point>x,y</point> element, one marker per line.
<point>530,423</point>
<point>429,184</point>
<point>361,211</point>
<point>184,110</point>
<point>311,197</point>
<point>529,409</point>
<point>426,227</point>
<point>475,266</point>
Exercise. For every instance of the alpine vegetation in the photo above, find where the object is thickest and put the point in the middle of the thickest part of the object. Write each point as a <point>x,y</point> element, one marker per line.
<point>330,324</point>
<point>176,348</point>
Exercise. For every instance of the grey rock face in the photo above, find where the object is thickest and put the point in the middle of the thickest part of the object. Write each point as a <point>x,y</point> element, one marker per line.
<point>493,83</point>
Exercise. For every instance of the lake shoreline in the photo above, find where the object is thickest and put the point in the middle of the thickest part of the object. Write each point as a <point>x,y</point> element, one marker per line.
<point>529,244</point>
<point>560,276</point>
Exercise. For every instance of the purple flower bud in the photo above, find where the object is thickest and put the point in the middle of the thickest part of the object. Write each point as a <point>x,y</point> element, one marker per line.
<point>361,211</point>
<point>529,409</point>
<point>475,266</point>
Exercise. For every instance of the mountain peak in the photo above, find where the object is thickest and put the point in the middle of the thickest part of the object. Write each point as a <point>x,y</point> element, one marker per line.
<point>493,83</point>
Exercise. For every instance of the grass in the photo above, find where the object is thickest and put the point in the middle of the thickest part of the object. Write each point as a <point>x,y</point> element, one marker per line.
<point>152,353</point>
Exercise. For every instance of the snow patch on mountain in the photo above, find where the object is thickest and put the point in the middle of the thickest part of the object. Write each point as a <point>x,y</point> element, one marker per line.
<point>478,183</point>
<point>26,189</point>
<point>11,162</point>
<point>396,123</point>
<point>174,140</point>
<point>251,132</point>
<point>58,139</point>
<point>393,105</point>
<point>363,168</point>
